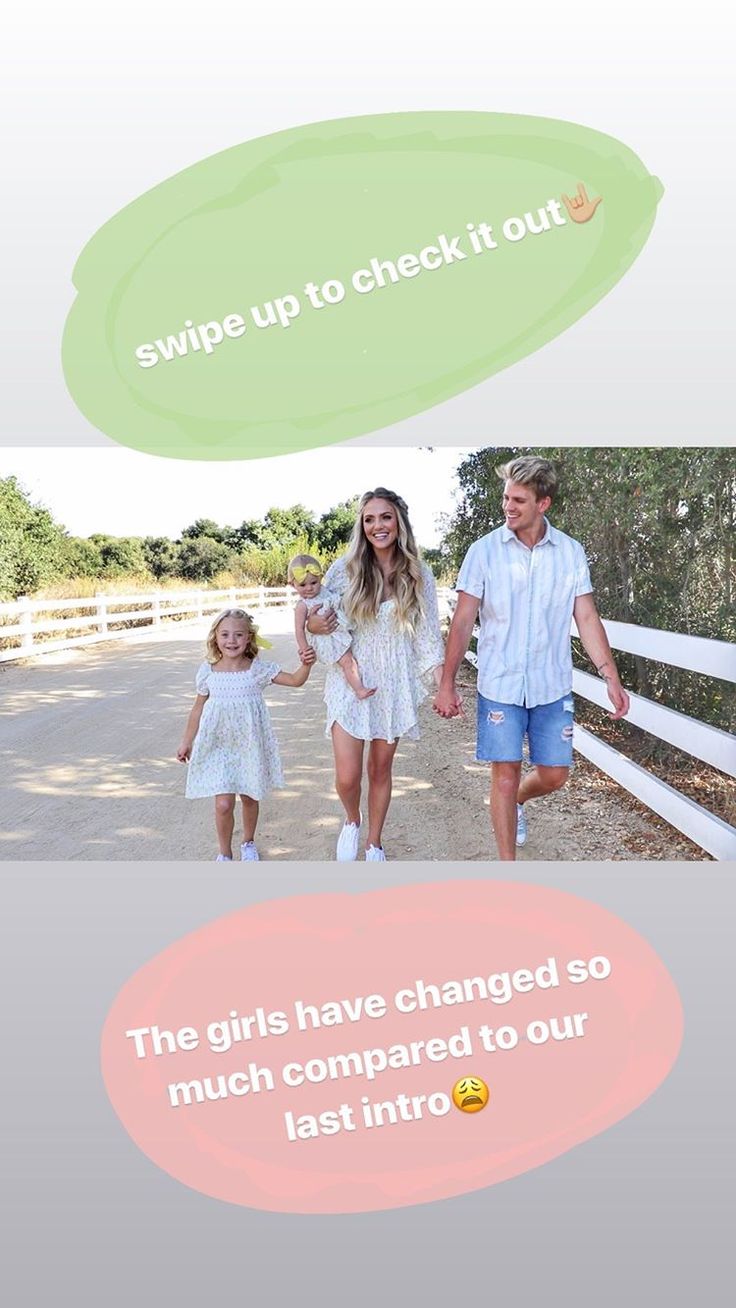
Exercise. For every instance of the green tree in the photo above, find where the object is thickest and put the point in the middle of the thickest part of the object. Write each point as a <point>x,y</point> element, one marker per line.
<point>281,527</point>
<point>80,558</point>
<point>161,555</point>
<point>205,527</point>
<point>437,560</point>
<point>120,556</point>
<point>249,534</point>
<point>479,506</point>
<point>657,526</point>
<point>201,558</point>
<point>31,542</point>
<point>334,528</point>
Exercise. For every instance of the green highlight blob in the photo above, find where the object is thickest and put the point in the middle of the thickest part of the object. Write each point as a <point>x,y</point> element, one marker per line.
<point>186,270</point>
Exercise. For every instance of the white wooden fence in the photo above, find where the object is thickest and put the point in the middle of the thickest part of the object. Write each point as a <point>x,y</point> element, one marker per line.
<point>64,623</point>
<point>38,626</point>
<point>713,658</point>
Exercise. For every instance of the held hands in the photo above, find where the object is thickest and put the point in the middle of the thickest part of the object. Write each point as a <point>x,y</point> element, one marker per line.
<point>448,703</point>
<point>307,656</point>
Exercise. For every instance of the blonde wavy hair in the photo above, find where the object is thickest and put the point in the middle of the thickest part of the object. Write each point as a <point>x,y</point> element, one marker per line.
<point>365,579</point>
<point>251,649</point>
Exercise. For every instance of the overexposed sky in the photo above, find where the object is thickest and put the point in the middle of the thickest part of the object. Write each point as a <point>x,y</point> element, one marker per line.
<point>125,493</point>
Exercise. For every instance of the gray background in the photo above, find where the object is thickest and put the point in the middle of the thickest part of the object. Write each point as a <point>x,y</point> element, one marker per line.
<point>106,103</point>
<point>639,1214</point>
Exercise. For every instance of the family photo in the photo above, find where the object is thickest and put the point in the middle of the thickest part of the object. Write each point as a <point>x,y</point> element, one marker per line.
<point>370,683</point>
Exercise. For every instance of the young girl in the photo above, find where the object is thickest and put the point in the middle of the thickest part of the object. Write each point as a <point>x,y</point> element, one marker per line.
<point>305,575</point>
<point>229,740</point>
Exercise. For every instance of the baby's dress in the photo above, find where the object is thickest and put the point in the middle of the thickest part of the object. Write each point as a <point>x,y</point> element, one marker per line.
<point>235,750</point>
<point>393,660</point>
<point>329,648</point>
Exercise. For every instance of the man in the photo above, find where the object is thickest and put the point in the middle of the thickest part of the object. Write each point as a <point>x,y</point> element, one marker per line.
<point>528,580</point>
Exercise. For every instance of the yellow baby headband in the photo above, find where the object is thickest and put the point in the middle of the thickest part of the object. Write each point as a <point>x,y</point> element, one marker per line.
<point>301,571</point>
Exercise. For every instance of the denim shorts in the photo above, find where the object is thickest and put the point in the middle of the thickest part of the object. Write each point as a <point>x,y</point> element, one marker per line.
<point>502,727</point>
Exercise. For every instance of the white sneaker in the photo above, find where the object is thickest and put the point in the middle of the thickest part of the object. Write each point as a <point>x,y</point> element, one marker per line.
<point>521,827</point>
<point>223,858</point>
<point>249,853</point>
<point>347,842</point>
<point>375,854</point>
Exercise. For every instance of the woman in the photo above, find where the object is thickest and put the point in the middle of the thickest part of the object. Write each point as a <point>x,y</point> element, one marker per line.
<point>390,601</point>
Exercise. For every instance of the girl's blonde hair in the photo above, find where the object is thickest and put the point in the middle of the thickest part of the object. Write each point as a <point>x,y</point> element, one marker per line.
<point>365,579</point>
<point>251,649</point>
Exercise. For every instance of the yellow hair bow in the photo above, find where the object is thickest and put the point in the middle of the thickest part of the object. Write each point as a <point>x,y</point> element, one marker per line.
<point>262,643</point>
<point>301,571</point>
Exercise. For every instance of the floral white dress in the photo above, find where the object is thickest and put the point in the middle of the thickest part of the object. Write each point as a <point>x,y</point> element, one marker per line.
<point>235,750</point>
<point>329,648</point>
<point>394,661</point>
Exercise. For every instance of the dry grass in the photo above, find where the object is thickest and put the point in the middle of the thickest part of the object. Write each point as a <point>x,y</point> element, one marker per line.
<point>135,584</point>
<point>127,588</point>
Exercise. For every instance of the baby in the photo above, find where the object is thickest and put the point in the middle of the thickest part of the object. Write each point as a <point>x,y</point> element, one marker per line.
<point>305,575</point>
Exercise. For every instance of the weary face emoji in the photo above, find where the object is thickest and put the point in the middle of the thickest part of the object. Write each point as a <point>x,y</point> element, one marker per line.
<point>470,1094</point>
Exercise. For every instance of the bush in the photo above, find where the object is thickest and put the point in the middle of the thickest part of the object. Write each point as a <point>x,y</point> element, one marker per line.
<point>31,543</point>
<point>80,558</point>
<point>201,558</point>
<point>161,555</point>
<point>121,555</point>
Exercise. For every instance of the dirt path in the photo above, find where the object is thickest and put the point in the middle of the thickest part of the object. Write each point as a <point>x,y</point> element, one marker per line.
<point>88,739</point>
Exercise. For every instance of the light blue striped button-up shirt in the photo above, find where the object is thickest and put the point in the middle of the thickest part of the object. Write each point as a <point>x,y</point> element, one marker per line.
<point>526,603</point>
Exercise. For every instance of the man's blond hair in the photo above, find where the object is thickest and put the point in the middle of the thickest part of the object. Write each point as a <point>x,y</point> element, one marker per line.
<point>531,471</point>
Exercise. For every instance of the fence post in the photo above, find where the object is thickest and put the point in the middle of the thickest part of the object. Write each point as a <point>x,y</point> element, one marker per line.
<point>232,597</point>
<point>26,622</point>
<point>156,611</point>
<point>261,597</point>
<point>200,605</point>
<point>101,601</point>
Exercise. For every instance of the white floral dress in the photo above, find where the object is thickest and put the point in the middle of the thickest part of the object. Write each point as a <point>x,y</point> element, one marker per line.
<point>235,750</point>
<point>329,648</point>
<point>392,660</point>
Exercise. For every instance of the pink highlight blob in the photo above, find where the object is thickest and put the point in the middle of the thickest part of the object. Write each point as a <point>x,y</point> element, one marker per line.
<point>545,1098</point>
